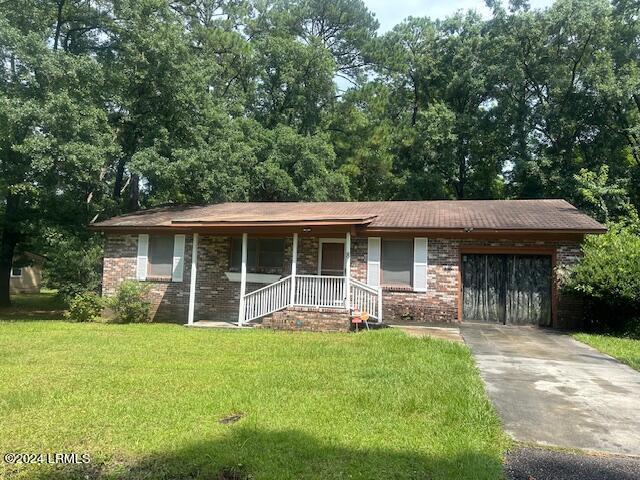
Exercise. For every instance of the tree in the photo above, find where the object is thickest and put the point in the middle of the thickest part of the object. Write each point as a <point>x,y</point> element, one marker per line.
<point>54,135</point>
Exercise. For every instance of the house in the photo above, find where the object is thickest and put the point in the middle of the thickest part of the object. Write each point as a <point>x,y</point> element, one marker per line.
<point>308,265</point>
<point>26,273</point>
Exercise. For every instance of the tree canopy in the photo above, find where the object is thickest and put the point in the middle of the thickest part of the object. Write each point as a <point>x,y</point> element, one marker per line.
<point>108,106</point>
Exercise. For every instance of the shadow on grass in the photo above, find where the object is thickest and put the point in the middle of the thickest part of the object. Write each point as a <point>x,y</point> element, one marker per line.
<point>247,453</point>
<point>33,306</point>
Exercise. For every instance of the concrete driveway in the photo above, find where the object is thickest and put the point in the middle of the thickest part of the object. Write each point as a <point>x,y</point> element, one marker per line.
<point>553,390</point>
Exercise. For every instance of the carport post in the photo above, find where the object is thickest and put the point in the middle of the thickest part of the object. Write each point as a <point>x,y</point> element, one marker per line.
<point>192,283</point>
<point>294,261</point>
<point>243,279</point>
<point>347,270</point>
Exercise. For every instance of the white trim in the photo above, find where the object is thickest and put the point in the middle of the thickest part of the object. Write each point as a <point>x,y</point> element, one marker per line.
<point>327,240</point>
<point>294,265</point>
<point>243,278</point>
<point>142,259</point>
<point>17,276</point>
<point>192,283</point>
<point>420,263</point>
<point>236,277</point>
<point>374,266</point>
<point>347,270</point>
<point>177,272</point>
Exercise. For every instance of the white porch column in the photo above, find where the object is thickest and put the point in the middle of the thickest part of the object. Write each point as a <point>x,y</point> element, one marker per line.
<point>192,284</point>
<point>294,262</point>
<point>347,270</point>
<point>243,279</point>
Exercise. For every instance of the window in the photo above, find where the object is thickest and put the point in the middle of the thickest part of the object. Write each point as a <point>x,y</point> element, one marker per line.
<point>160,256</point>
<point>397,263</point>
<point>16,271</point>
<point>264,255</point>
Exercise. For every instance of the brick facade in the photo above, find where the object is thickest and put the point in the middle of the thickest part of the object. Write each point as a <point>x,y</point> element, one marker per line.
<point>309,319</point>
<point>217,298</point>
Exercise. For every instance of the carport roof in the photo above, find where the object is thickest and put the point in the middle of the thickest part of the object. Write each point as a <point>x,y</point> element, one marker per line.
<point>544,215</point>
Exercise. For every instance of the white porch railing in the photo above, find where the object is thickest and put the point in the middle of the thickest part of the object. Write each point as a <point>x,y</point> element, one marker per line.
<point>321,291</point>
<point>269,299</point>
<point>366,298</point>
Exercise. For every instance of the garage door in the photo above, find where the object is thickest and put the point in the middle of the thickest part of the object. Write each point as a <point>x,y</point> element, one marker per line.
<point>506,289</point>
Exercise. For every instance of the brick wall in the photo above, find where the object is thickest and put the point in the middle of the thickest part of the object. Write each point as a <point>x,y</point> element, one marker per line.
<point>169,300</point>
<point>309,319</point>
<point>440,302</point>
<point>217,298</point>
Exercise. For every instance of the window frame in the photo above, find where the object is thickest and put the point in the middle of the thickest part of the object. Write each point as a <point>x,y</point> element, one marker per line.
<point>150,275</point>
<point>259,269</point>
<point>21,269</point>
<point>397,286</point>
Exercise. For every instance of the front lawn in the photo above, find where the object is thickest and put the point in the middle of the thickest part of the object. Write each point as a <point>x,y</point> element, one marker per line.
<point>627,350</point>
<point>35,306</point>
<point>145,401</point>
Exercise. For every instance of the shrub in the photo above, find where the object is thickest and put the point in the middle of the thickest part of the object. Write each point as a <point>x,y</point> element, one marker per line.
<point>608,277</point>
<point>610,269</point>
<point>130,303</point>
<point>85,307</point>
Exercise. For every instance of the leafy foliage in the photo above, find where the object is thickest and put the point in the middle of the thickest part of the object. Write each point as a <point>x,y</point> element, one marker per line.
<point>85,307</point>
<point>610,269</point>
<point>608,277</point>
<point>73,265</point>
<point>130,303</point>
<point>110,106</point>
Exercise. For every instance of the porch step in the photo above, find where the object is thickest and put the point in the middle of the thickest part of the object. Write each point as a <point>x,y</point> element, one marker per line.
<point>322,319</point>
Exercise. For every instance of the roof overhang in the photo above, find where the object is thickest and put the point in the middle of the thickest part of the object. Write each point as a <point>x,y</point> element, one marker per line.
<point>493,233</point>
<point>274,227</point>
<point>275,222</point>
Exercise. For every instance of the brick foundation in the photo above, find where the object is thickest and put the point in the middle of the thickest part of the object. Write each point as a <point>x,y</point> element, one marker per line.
<point>217,298</point>
<point>309,319</point>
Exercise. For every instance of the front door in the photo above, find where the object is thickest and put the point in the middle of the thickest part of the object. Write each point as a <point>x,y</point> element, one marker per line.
<point>331,258</point>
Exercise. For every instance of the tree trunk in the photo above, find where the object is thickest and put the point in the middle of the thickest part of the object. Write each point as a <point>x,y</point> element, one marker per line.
<point>117,184</point>
<point>133,202</point>
<point>56,35</point>
<point>7,247</point>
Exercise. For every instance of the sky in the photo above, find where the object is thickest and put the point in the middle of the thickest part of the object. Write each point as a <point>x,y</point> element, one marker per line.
<point>392,12</point>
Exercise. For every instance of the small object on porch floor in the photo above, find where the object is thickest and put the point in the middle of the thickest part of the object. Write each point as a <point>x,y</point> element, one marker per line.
<point>233,418</point>
<point>443,333</point>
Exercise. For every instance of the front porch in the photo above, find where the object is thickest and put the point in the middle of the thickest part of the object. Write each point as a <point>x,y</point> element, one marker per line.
<point>296,280</point>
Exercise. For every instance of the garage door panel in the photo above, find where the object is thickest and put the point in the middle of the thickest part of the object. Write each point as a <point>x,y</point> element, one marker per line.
<point>529,290</point>
<point>483,300</point>
<point>511,289</point>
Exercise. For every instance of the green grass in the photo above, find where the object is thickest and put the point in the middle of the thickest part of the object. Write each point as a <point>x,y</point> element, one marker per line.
<point>145,402</point>
<point>34,306</point>
<point>627,350</point>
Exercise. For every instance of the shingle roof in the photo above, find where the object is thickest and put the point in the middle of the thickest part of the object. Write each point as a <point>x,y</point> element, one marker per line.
<point>512,215</point>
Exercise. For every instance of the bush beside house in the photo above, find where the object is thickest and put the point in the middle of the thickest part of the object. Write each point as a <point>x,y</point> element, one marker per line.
<point>130,304</point>
<point>85,307</point>
<point>608,277</point>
